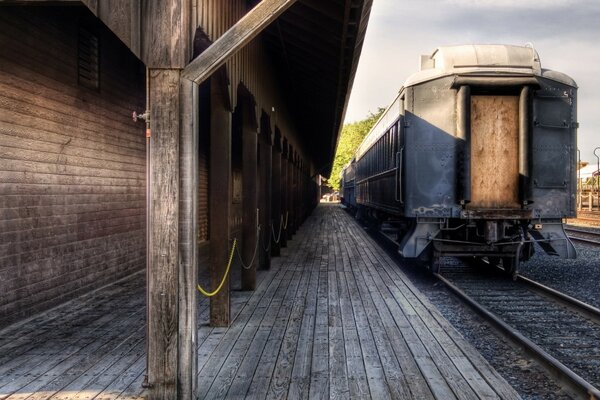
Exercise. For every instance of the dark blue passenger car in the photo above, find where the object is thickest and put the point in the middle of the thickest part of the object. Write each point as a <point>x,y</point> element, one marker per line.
<point>475,157</point>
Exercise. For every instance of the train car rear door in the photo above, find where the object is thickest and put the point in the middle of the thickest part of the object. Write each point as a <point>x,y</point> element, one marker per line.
<point>494,152</point>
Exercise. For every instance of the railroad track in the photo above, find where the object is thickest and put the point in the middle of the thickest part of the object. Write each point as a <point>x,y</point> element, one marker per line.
<point>583,236</point>
<point>561,332</point>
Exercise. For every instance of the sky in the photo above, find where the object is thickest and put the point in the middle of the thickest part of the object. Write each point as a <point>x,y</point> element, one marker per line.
<point>565,33</point>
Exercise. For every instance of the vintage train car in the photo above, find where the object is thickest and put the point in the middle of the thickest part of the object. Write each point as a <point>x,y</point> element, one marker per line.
<point>476,157</point>
<point>347,186</point>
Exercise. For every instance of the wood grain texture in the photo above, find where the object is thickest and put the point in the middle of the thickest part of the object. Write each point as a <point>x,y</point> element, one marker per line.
<point>219,201</point>
<point>264,200</point>
<point>335,317</point>
<point>72,212</point>
<point>92,347</point>
<point>235,38</point>
<point>276,202</point>
<point>250,194</point>
<point>123,18</point>
<point>188,247</point>
<point>494,152</point>
<point>166,38</point>
<point>283,198</point>
<point>163,293</point>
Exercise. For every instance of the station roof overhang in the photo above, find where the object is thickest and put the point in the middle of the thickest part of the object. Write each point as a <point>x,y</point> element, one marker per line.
<point>315,47</point>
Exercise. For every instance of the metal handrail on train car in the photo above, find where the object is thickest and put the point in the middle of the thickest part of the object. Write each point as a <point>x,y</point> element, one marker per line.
<point>398,194</point>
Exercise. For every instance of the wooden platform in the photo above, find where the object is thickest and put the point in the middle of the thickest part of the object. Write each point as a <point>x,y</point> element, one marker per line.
<point>334,318</point>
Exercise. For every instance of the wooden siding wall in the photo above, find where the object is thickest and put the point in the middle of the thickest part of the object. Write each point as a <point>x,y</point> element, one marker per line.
<point>250,67</point>
<point>72,162</point>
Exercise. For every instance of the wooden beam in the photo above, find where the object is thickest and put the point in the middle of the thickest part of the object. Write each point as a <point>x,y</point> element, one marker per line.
<point>164,234</point>
<point>219,200</point>
<point>188,249</point>
<point>250,193</point>
<point>240,34</point>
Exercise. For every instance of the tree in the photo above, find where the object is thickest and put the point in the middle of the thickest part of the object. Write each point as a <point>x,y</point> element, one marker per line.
<point>351,137</point>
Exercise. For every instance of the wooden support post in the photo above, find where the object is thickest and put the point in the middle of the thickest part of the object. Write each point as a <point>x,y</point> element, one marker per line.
<point>163,294</point>
<point>297,198</point>
<point>164,48</point>
<point>291,200</point>
<point>276,199</point>
<point>219,200</point>
<point>265,197</point>
<point>250,204</point>
<point>284,197</point>
<point>188,249</point>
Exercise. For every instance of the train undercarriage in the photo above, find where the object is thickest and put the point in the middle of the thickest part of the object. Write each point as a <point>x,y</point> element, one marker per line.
<point>504,240</point>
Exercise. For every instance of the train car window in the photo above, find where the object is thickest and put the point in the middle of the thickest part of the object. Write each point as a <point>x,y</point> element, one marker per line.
<point>390,147</point>
<point>386,150</point>
<point>378,155</point>
<point>381,154</point>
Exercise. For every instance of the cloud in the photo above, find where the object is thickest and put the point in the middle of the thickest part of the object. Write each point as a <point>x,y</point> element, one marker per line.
<point>516,4</point>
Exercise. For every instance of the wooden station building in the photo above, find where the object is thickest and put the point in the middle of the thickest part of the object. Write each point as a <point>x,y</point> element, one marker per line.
<point>241,103</point>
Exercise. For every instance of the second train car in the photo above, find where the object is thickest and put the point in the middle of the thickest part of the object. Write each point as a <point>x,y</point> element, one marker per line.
<point>476,157</point>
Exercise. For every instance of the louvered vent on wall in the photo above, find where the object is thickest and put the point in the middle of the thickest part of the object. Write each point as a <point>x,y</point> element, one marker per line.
<point>88,63</point>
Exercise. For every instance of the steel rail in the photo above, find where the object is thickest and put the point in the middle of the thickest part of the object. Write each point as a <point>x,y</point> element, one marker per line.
<point>572,301</point>
<point>575,230</point>
<point>584,240</point>
<point>576,383</point>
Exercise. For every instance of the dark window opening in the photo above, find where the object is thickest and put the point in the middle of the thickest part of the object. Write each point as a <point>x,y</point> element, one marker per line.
<point>88,59</point>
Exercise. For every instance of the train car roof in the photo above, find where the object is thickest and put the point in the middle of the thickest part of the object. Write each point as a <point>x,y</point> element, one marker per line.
<point>487,59</point>
<point>484,58</point>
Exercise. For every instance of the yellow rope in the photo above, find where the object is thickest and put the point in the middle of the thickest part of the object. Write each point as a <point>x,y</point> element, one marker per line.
<point>218,289</point>
<point>286,220</point>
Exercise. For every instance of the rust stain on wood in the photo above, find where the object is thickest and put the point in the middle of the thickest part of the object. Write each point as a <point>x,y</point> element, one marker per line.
<point>494,151</point>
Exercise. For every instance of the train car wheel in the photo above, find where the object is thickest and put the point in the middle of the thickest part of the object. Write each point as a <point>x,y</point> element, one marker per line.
<point>511,266</point>
<point>494,261</point>
<point>435,264</point>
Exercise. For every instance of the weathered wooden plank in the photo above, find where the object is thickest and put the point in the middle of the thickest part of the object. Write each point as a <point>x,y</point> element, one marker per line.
<point>164,233</point>
<point>265,304</point>
<point>275,323</point>
<point>290,194</point>
<point>453,344</point>
<point>432,376</point>
<point>240,34</point>
<point>280,382</point>
<point>413,304</point>
<point>338,375</point>
<point>276,216</point>
<point>357,376</point>
<point>377,385</point>
<point>219,200</point>
<point>82,362</point>
<point>69,349</point>
<point>300,382</point>
<point>365,322</point>
<point>188,249</point>
<point>59,141</point>
<point>250,194</point>
<point>264,199</point>
<point>122,17</point>
<point>494,147</point>
<point>283,196</point>
<point>319,382</point>
<point>429,355</point>
<point>166,39</point>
